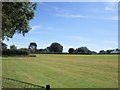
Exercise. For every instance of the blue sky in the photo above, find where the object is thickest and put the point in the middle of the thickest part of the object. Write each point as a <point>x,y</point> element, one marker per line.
<point>72,24</point>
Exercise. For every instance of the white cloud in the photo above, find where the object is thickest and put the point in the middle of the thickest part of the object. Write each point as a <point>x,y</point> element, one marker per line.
<point>36,27</point>
<point>108,8</point>
<point>86,17</point>
<point>71,15</point>
<point>43,29</point>
<point>79,38</point>
<point>110,18</point>
<point>65,12</point>
<point>111,6</point>
<point>61,10</point>
<point>55,8</point>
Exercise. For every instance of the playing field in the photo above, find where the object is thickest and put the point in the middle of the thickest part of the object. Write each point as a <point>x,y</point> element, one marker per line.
<point>64,71</point>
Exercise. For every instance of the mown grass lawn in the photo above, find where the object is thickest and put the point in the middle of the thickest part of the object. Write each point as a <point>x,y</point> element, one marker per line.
<point>64,71</point>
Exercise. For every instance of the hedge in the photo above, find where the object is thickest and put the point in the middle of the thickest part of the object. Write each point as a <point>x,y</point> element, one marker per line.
<point>9,52</point>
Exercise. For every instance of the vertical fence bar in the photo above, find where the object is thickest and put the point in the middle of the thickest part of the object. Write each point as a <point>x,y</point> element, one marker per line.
<point>0,44</point>
<point>47,87</point>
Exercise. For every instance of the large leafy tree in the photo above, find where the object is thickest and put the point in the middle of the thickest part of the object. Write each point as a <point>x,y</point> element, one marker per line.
<point>83,50</point>
<point>71,50</point>
<point>32,47</point>
<point>16,17</point>
<point>102,52</point>
<point>56,47</point>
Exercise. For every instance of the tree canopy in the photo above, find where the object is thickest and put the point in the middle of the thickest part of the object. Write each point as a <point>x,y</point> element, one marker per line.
<point>13,47</point>
<point>16,17</point>
<point>83,50</point>
<point>32,45</point>
<point>71,50</point>
<point>56,48</point>
<point>102,52</point>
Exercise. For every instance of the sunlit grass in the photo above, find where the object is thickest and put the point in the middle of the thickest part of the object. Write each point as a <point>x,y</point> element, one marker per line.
<point>64,71</point>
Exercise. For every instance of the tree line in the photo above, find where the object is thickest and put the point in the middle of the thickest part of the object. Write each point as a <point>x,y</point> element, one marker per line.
<point>54,48</point>
<point>58,48</point>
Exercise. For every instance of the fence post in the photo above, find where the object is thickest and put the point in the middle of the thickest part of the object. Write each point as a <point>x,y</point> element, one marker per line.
<point>47,87</point>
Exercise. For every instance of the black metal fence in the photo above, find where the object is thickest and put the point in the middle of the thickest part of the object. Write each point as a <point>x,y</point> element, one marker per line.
<point>12,83</point>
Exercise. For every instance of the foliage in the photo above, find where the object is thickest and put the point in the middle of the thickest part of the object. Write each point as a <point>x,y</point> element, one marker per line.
<point>32,47</point>
<point>13,47</point>
<point>71,50</point>
<point>102,52</point>
<point>83,50</point>
<point>16,17</point>
<point>117,49</point>
<point>56,48</point>
<point>39,51</point>
<point>48,49</point>
<point>14,52</point>
<point>93,52</point>
<point>109,51</point>
<point>53,48</point>
<point>23,49</point>
<point>4,46</point>
<point>32,55</point>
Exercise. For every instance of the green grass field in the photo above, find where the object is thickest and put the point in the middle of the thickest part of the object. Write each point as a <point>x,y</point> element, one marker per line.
<point>64,71</point>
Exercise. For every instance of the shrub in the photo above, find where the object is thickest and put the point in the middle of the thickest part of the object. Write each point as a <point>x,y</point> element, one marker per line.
<point>32,55</point>
<point>9,52</point>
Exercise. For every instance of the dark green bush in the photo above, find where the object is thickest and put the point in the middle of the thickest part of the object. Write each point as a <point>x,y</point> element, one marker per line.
<point>32,55</point>
<point>9,52</point>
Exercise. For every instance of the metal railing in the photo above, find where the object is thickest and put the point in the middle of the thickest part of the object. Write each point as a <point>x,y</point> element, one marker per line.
<point>12,83</point>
